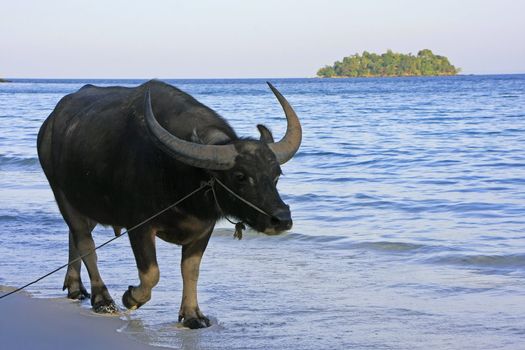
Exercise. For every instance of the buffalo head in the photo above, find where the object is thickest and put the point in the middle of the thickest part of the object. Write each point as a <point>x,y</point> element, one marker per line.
<point>250,168</point>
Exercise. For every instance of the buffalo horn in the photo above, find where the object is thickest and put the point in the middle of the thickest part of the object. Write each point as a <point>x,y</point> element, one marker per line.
<point>213,157</point>
<point>285,149</point>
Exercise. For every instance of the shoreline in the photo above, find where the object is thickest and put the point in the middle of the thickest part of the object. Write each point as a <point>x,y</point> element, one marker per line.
<point>37,323</point>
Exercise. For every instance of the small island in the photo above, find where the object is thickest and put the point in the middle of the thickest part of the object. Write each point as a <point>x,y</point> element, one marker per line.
<point>389,64</point>
<point>4,80</point>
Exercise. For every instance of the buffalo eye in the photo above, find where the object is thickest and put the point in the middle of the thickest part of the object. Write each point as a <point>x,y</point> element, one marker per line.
<point>239,176</point>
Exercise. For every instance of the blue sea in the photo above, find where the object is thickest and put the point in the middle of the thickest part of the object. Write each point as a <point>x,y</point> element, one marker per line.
<point>408,200</point>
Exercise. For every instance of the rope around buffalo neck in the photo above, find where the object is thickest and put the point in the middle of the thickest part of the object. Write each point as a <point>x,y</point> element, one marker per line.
<point>239,226</point>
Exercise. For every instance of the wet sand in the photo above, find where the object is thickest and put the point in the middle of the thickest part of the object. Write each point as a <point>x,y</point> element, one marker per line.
<point>30,323</point>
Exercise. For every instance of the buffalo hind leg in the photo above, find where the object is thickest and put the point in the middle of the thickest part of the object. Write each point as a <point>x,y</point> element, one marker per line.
<point>72,281</point>
<point>190,265</point>
<point>80,227</point>
<point>143,244</point>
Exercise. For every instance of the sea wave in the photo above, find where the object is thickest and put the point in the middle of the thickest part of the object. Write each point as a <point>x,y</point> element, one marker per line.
<point>482,261</point>
<point>8,162</point>
<point>436,253</point>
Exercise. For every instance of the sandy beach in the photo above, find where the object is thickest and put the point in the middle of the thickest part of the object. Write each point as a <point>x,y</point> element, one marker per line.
<point>30,323</point>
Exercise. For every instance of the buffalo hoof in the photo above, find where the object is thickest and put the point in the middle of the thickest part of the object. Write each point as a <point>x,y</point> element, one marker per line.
<point>78,294</point>
<point>102,302</point>
<point>196,323</point>
<point>130,302</point>
<point>105,307</point>
<point>75,289</point>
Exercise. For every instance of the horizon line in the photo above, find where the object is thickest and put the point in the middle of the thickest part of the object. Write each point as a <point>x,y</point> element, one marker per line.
<point>252,78</point>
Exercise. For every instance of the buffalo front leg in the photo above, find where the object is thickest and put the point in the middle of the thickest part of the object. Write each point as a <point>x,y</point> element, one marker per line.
<point>190,264</point>
<point>143,245</point>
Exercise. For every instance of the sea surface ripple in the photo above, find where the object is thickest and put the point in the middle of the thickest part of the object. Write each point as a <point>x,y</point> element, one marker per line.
<point>408,200</point>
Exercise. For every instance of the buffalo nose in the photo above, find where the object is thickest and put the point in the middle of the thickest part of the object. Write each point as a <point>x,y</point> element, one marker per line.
<point>282,219</point>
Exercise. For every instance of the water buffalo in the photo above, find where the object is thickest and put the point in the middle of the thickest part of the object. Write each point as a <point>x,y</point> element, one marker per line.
<point>117,155</point>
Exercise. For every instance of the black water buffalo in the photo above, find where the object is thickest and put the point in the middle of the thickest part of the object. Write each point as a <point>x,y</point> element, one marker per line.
<point>116,156</point>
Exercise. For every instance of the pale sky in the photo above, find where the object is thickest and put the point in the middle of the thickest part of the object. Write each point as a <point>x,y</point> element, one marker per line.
<point>248,38</point>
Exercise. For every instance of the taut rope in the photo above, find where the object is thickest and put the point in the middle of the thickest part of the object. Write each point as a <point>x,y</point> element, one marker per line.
<point>239,226</point>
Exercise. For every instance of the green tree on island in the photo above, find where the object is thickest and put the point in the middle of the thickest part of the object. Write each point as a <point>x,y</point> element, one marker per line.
<point>389,64</point>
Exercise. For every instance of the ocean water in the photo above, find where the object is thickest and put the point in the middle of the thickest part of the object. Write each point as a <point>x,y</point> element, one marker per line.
<point>408,200</point>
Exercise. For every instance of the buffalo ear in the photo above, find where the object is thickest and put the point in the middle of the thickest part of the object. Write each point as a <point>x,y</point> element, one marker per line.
<point>210,136</point>
<point>266,134</point>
